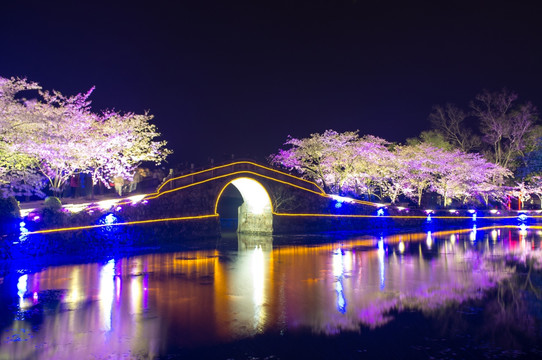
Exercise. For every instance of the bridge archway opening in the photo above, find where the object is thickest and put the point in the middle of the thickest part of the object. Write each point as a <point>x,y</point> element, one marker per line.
<point>255,213</point>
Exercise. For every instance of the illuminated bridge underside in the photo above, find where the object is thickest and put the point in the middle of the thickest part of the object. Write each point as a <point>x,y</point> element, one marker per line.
<point>255,215</point>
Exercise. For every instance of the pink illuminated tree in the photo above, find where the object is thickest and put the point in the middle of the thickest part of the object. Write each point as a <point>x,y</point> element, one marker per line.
<point>126,140</point>
<point>534,187</point>
<point>371,160</point>
<point>19,173</point>
<point>521,192</point>
<point>60,136</point>
<point>347,164</point>
<point>324,158</point>
<point>464,177</point>
<point>420,162</point>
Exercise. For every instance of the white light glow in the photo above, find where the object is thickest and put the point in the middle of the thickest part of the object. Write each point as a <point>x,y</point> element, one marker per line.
<point>136,198</point>
<point>494,235</point>
<point>338,267</point>
<point>254,195</point>
<point>75,208</point>
<point>107,204</point>
<point>342,198</point>
<point>75,293</point>
<point>472,235</point>
<point>107,293</point>
<point>25,212</point>
<point>110,219</point>
<point>22,284</point>
<point>401,247</point>
<point>380,253</point>
<point>257,266</point>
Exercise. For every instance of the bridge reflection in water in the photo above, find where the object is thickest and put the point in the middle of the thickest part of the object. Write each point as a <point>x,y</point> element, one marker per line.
<point>153,304</point>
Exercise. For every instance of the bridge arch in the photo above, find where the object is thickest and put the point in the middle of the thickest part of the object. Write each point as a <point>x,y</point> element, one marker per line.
<point>255,215</point>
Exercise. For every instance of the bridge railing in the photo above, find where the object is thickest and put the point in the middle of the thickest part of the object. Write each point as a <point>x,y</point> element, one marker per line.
<point>235,168</point>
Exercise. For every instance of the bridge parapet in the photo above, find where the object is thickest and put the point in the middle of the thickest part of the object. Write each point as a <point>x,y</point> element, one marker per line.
<point>239,167</point>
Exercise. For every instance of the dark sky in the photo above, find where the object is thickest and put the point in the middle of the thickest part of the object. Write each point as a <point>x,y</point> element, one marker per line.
<point>240,76</point>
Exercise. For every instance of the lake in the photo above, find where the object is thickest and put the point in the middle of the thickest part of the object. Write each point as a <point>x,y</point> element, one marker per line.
<point>473,293</point>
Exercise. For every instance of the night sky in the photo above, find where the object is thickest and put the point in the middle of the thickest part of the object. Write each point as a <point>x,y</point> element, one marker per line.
<point>234,77</point>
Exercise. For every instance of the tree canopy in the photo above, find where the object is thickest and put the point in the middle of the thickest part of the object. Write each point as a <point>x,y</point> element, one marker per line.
<point>54,136</point>
<point>370,167</point>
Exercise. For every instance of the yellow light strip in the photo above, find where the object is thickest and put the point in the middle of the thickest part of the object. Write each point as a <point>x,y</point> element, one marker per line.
<point>323,194</point>
<point>374,216</point>
<point>155,195</point>
<point>237,163</point>
<point>120,224</point>
<point>398,216</point>
<point>196,217</point>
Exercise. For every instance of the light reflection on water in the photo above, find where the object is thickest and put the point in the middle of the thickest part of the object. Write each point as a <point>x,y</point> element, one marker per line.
<point>146,305</point>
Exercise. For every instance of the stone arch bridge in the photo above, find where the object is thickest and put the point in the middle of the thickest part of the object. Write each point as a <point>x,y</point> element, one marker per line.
<point>273,201</point>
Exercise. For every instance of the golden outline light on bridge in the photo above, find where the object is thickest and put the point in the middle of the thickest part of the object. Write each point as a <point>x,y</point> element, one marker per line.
<point>236,163</point>
<point>155,195</point>
<point>321,193</point>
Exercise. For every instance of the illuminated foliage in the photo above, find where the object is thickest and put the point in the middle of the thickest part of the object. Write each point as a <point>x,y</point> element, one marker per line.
<point>19,173</point>
<point>125,141</point>
<point>371,167</point>
<point>58,136</point>
<point>532,187</point>
<point>318,157</point>
<point>463,176</point>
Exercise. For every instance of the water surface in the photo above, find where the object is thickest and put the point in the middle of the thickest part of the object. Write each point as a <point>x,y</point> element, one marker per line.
<point>441,295</point>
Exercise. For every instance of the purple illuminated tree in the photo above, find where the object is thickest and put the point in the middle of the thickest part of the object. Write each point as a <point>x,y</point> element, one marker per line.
<point>420,162</point>
<point>522,192</point>
<point>324,158</point>
<point>125,141</point>
<point>19,173</point>
<point>464,177</point>
<point>372,165</point>
<point>348,165</point>
<point>534,187</point>
<point>60,136</point>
